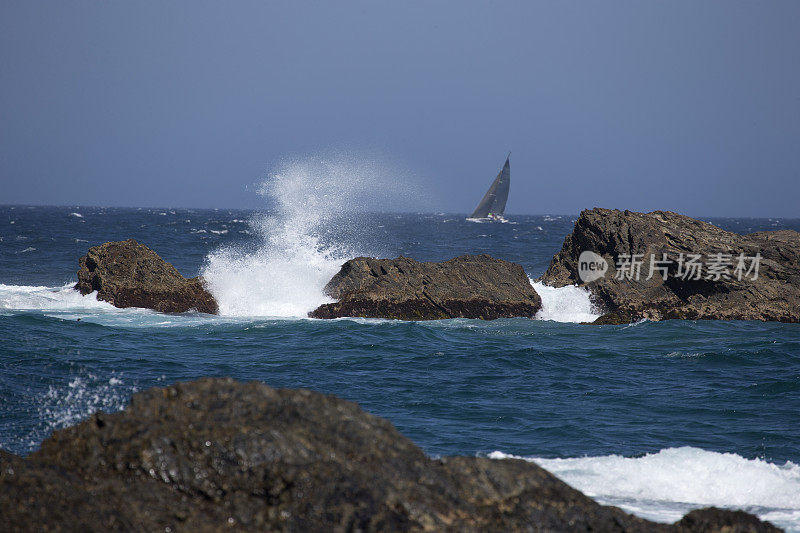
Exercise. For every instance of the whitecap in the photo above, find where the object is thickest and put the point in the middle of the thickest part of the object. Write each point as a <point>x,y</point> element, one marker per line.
<point>686,355</point>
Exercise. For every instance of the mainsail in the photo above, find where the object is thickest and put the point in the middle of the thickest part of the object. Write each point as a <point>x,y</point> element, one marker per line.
<point>494,201</point>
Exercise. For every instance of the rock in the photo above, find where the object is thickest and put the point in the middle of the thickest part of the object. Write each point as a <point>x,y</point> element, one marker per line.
<point>774,295</point>
<point>216,453</point>
<point>129,274</point>
<point>711,519</point>
<point>469,286</point>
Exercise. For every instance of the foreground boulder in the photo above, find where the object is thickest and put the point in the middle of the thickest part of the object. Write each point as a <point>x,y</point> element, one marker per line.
<point>469,286</point>
<point>218,454</point>
<point>129,274</point>
<point>723,287</point>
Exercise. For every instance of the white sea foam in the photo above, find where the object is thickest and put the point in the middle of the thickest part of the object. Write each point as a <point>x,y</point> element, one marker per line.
<point>565,304</point>
<point>76,215</point>
<point>663,486</point>
<point>66,303</point>
<point>285,274</point>
<point>41,298</point>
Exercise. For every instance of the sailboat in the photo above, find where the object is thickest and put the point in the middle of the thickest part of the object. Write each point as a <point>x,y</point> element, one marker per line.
<point>493,204</point>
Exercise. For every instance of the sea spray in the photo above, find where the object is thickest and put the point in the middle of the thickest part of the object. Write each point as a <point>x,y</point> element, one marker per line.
<point>565,304</point>
<point>311,228</point>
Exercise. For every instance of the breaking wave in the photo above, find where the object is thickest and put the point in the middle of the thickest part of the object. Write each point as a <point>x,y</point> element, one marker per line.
<point>65,303</point>
<point>664,486</point>
<point>302,239</point>
<point>565,304</point>
<point>41,298</point>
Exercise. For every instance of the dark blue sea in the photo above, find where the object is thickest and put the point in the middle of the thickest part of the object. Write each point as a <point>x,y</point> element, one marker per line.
<point>656,417</point>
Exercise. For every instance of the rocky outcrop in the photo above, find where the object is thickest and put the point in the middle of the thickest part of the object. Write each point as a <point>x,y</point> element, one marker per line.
<point>714,290</point>
<point>469,286</point>
<point>217,454</point>
<point>712,519</point>
<point>129,274</point>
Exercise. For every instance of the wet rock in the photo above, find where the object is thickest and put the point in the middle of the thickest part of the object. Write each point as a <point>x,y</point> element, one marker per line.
<point>129,274</point>
<point>713,520</point>
<point>216,454</point>
<point>670,238</point>
<point>469,286</point>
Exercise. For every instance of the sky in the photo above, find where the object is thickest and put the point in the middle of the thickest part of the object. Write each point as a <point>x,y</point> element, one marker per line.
<point>688,105</point>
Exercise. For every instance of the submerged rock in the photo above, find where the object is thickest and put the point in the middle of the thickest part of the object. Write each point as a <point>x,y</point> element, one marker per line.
<point>711,291</point>
<point>129,274</point>
<point>469,286</point>
<point>219,454</point>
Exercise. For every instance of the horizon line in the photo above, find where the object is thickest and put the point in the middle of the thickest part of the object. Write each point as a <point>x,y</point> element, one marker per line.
<point>434,212</point>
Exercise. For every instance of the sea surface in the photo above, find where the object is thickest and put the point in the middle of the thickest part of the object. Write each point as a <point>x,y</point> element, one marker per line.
<point>656,418</point>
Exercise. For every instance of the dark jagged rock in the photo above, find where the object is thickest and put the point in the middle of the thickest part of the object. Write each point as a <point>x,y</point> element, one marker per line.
<point>774,295</point>
<point>129,274</point>
<point>469,286</point>
<point>218,454</point>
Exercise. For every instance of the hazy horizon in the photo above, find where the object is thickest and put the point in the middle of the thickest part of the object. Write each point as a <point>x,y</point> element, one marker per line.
<point>692,107</point>
<point>698,216</point>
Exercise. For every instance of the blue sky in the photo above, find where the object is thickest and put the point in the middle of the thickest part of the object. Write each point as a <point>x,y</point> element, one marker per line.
<point>691,106</point>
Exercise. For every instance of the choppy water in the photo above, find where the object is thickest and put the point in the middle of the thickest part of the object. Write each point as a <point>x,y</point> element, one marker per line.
<point>654,417</point>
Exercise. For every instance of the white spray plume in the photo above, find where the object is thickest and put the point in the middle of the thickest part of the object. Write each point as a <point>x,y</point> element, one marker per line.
<point>286,273</point>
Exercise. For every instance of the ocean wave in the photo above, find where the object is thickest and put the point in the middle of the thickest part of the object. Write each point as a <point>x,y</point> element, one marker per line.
<point>42,298</point>
<point>663,486</point>
<point>250,286</point>
<point>65,303</point>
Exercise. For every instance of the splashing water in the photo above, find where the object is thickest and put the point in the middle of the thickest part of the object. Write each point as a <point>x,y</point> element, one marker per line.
<point>285,275</point>
<point>565,304</point>
<point>35,297</point>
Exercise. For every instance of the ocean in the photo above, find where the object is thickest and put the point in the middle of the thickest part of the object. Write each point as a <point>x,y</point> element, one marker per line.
<point>654,417</point>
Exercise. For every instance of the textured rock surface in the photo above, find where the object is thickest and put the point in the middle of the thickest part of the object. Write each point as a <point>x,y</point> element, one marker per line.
<point>129,274</point>
<point>469,286</point>
<point>711,519</point>
<point>219,454</point>
<point>775,295</point>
